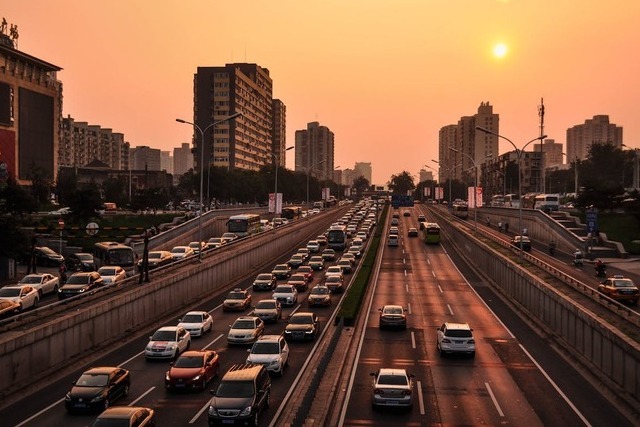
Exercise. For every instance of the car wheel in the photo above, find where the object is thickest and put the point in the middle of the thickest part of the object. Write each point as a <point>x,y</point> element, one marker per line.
<point>217,372</point>
<point>188,345</point>
<point>55,289</point>
<point>35,303</point>
<point>472,354</point>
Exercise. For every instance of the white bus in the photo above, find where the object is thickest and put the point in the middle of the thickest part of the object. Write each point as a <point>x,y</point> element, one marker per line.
<point>547,202</point>
<point>511,201</point>
<point>113,253</point>
<point>244,225</point>
<point>337,238</point>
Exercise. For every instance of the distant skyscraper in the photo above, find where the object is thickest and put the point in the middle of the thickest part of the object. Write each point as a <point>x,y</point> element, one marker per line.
<point>552,153</point>
<point>314,151</point>
<point>182,159</point>
<point>145,158</point>
<point>247,141</point>
<point>166,161</point>
<point>596,130</point>
<point>426,175</point>
<point>364,169</point>
<point>279,127</point>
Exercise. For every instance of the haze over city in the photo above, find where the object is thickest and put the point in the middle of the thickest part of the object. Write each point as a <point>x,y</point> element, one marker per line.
<point>383,76</point>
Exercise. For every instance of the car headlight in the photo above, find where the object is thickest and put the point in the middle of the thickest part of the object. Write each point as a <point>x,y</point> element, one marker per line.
<point>167,377</point>
<point>246,411</point>
<point>212,411</point>
<point>82,290</point>
<point>197,377</point>
<point>67,397</point>
<point>98,398</point>
<point>171,346</point>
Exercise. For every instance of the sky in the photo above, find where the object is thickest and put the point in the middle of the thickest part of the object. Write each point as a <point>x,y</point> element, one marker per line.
<point>383,75</point>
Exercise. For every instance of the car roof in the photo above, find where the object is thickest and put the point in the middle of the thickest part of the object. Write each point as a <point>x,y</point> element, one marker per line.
<point>393,371</point>
<point>454,325</point>
<point>196,312</point>
<point>168,328</point>
<point>121,412</point>
<point>101,370</point>
<point>270,338</point>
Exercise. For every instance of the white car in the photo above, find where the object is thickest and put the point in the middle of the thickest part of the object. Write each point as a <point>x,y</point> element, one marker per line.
<point>196,323</point>
<point>182,252</point>
<point>25,295</point>
<point>167,343</point>
<point>334,270</point>
<point>456,338</point>
<point>245,330</point>
<point>286,294</point>
<point>313,246</point>
<point>392,387</point>
<point>272,351</point>
<point>112,274</point>
<point>45,283</point>
<point>197,246</point>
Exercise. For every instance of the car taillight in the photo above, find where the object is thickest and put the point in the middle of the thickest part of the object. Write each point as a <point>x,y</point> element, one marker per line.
<point>406,393</point>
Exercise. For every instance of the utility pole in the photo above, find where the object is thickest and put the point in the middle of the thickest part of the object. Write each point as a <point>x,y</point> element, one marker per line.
<point>543,170</point>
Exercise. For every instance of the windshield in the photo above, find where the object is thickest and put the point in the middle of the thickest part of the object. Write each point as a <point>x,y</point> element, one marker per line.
<point>235,389</point>
<point>30,280</point>
<point>623,284</point>
<point>264,277</point>
<point>320,291</point>
<point>189,362</point>
<point>178,250</point>
<point>88,380</point>
<point>122,256</point>
<point>284,290</point>
<point>300,320</point>
<point>164,336</point>
<point>78,280</point>
<point>192,318</point>
<point>107,271</point>
<point>244,324</point>
<point>155,255</point>
<point>266,304</point>
<point>9,292</point>
<point>393,310</point>
<point>392,380</point>
<point>236,295</point>
<point>85,257</point>
<point>265,348</point>
<point>459,333</point>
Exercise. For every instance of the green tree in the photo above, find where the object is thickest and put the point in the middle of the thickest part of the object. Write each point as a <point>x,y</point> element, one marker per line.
<point>401,183</point>
<point>14,200</point>
<point>360,185</point>
<point>84,203</point>
<point>602,176</point>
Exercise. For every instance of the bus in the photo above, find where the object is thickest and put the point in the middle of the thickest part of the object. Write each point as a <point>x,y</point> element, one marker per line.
<point>547,202</point>
<point>244,224</point>
<point>114,254</point>
<point>337,238</point>
<point>461,211</point>
<point>431,232</point>
<point>497,201</point>
<point>511,201</point>
<point>291,212</point>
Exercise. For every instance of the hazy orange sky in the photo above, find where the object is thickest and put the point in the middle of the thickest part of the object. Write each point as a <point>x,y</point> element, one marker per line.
<point>384,76</point>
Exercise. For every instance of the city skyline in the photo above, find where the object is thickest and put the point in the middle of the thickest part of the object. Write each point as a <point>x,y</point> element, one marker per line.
<point>383,78</point>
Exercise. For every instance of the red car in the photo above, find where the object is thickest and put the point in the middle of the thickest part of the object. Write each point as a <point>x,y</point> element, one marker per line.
<point>192,371</point>
<point>307,271</point>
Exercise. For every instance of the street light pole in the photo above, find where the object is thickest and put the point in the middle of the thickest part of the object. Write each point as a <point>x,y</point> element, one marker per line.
<point>475,188</point>
<point>202,132</point>
<point>519,156</point>
<point>275,192</point>
<point>449,178</point>
<point>308,170</point>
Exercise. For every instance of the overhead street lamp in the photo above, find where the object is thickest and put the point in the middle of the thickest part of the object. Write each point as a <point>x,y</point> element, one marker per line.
<point>450,174</point>
<point>275,193</point>
<point>519,156</point>
<point>309,169</point>
<point>202,132</point>
<point>475,188</point>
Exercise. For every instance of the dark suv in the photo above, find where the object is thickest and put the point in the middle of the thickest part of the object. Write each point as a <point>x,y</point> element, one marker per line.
<point>243,393</point>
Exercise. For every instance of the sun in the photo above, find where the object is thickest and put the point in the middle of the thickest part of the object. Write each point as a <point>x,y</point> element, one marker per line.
<point>500,50</point>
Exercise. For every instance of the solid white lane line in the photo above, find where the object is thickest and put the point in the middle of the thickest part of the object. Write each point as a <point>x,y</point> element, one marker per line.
<point>197,415</point>
<point>413,340</point>
<point>440,288</point>
<point>433,273</point>
<point>409,307</point>
<point>141,396</point>
<point>130,359</point>
<point>493,398</point>
<point>450,309</point>
<point>37,414</point>
<point>212,342</point>
<point>406,287</point>
<point>420,399</point>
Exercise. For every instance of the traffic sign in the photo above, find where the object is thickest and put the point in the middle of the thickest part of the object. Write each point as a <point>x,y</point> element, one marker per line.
<point>92,228</point>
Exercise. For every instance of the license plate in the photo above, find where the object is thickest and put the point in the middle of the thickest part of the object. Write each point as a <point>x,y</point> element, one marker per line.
<point>392,402</point>
<point>80,405</point>
<point>228,421</point>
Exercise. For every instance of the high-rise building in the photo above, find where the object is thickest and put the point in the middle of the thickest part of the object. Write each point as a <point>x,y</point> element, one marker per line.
<point>552,153</point>
<point>30,113</point>
<point>314,151</point>
<point>426,175</point>
<point>145,158</point>
<point>364,169</point>
<point>82,143</point>
<point>245,142</point>
<point>596,130</point>
<point>182,159</point>
<point>279,126</point>
<point>166,161</point>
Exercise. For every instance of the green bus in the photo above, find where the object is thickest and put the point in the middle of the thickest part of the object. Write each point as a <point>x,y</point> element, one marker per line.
<point>431,233</point>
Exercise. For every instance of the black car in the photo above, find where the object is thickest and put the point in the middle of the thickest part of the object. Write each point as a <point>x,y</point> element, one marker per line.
<point>47,257</point>
<point>80,261</point>
<point>98,388</point>
<point>301,326</point>
<point>80,284</point>
<point>241,396</point>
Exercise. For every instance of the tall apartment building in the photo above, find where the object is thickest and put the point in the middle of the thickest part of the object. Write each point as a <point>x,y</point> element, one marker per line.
<point>82,143</point>
<point>182,159</point>
<point>314,151</point>
<point>30,112</point>
<point>279,126</point>
<point>166,161</point>
<point>145,158</point>
<point>425,175</point>
<point>245,142</point>
<point>551,153</point>
<point>364,169</point>
<point>471,147</point>
<point>596,130</point>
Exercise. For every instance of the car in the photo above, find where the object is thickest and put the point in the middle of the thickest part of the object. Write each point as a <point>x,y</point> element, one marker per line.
<point>60,212</point>
<point>322,240</point>
<point>394,221</point>
<point>286,294</point>
<point>229,237</point>
<point>270,351</point>
<point>242,395</point>
<point>80,283</point>
<point>214,242</point>
<point>245,330</point>
<point>304,252</point>
<point>97,388</point>
<point>406,213</point>
<point>8,308</point>
<point>316,262</point>
<point>264,282</point>
<point>237,300</point>
<point>345,265</point>
<point>422,218</point>
<point>296,261</point>
<point>299,281</point>
<point>350,257</point>
<point>394,231</point>
<point>307,271</point>
<point>334,270</point>
<point>620,288</point>
<point>392,316</point>
<point>455,338</point>
<point>167,343</point>
<point>313,246</point>
<point>80,261</point>
<point>334,282</point>
<point>413,232</point>
<point>197,246</point>
<point>47,257</point>
<point>196,323</point>
<point>362,235</point>
<point>392,387</point>
<point>192,370</point>
<point>269,310</point>
<point>526,242</point>
<point>45,283</point>
<point>329,255</point>
<point>392,240</point>
<point>395,215</point>
<point>112,274</point>
<point>355,250</point>
<point>320,295</point>
<point>157,259</point>
<point>181,252</point>
<point>302,325</point>
<point>126,416</point>
<point>281,271</point>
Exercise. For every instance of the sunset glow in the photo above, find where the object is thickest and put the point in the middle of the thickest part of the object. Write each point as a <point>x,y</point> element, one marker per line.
<point>500,50</point>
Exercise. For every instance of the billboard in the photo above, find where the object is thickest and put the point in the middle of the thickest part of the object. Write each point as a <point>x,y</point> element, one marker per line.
<point>476,201</point>
<point>275,203</point>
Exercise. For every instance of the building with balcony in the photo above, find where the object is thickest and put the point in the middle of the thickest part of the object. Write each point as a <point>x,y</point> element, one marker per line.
<point>314,151</point>
<point>82,143</point>
<point>595,130</point>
